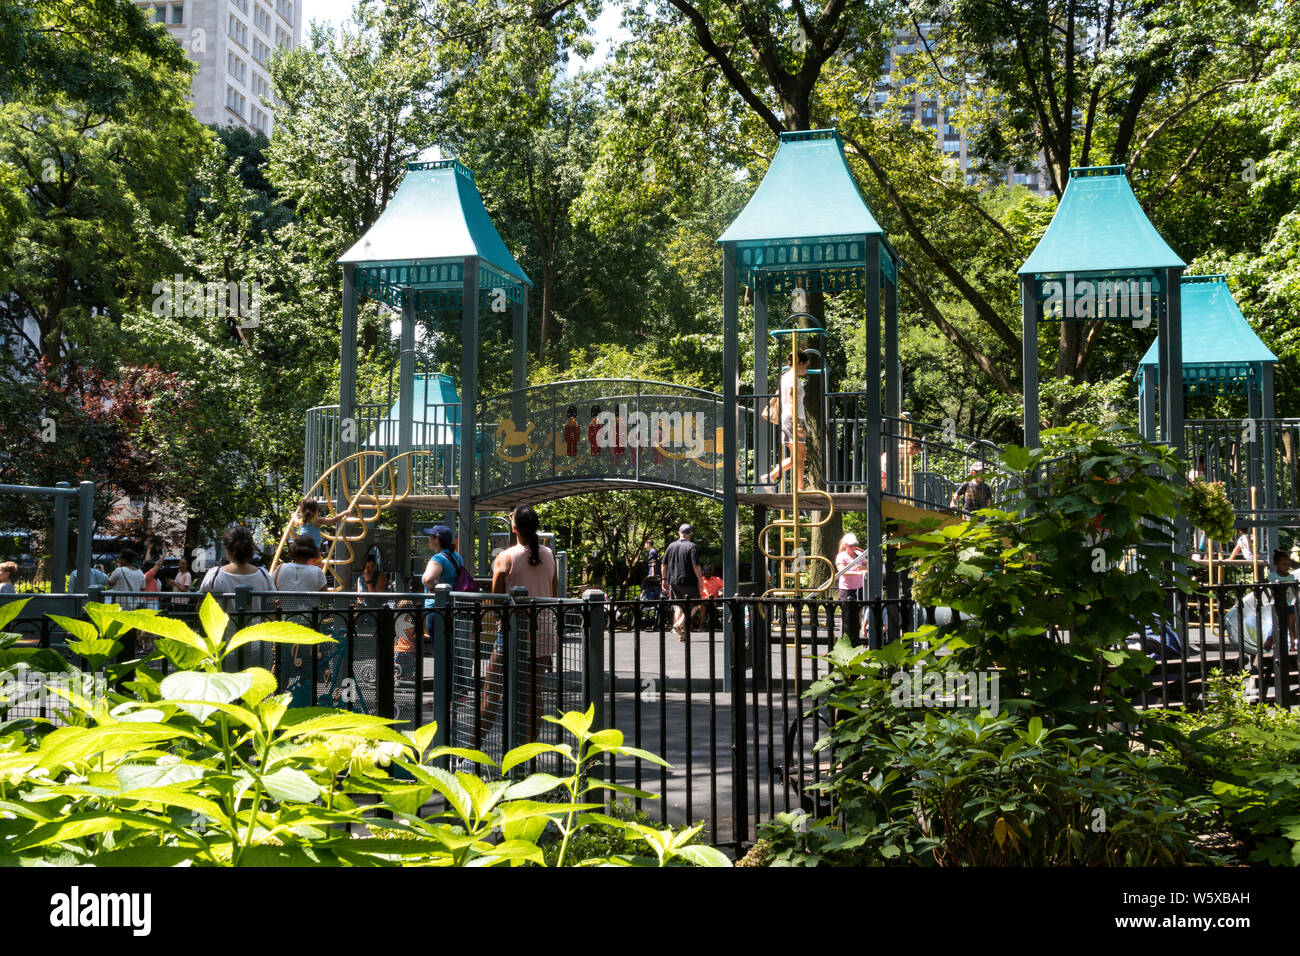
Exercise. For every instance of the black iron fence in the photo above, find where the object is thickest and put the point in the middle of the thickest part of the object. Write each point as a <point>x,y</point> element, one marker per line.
<point>722,696</point>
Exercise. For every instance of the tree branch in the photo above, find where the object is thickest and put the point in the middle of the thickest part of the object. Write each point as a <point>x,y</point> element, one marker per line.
<point>704,36</point>
<point>954,335</point>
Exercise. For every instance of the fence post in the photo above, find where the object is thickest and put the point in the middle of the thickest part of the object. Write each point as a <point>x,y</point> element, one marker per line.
<point>442,655</point>
<point>512,655</point>
<point>384,641</point>
<point>593,656</point>
<point>739,730</point>
<point>243,601</point>
<point>59,559</point>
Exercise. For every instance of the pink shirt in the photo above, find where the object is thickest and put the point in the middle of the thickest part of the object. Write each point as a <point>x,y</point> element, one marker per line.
<point>853,580</point>
<point>539,580</point>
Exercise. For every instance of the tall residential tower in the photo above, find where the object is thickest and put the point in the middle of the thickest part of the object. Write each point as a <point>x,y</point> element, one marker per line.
<point>231,41</point>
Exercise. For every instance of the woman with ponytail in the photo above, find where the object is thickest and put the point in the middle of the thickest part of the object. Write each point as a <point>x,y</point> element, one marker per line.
<point>530,565</point>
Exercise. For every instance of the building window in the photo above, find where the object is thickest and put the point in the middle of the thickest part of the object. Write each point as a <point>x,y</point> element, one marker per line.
<point>262,19</point>
<point>236,67</point>
<point>261,88</point>
<point>178,13</point>
<point>261,52</point>
<point>282,38</point>
<point>235,101</point>
<point>241,5</point>
<point>285,9</point>
<point>237,31</point>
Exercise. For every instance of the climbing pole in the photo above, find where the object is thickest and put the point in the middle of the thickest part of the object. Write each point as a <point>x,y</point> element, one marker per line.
<point>792,550</point>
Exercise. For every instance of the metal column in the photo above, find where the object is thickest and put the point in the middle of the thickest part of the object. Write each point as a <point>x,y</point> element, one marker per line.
<point>731,466</point>
<point>893,384</point>
<point>405,428</point>
<point>1171,363</point>
<point>347,379</point>
<point>1268,452</point>
<point>1147,387</point>
<point>519,378</point>
<point>762,454</point>
<point>85,531</point>
<point>468,405</point>
<point>875,519</point>
<point>1030,312</point>
<point>59,555</point>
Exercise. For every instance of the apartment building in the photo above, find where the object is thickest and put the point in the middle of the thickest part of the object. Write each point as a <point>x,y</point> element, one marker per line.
<point>232,41</point>
<point>935,113</point>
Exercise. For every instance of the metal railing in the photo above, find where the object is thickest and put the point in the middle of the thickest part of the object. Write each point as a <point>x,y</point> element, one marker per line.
<point>1258,461</point>
<point>727,706</point>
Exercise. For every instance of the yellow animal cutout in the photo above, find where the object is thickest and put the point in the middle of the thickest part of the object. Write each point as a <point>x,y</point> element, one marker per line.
<point>509,436</point>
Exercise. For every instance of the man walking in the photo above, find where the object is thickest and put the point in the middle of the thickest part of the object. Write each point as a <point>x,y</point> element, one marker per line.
<point>682,574</point>
<point>974,494</point>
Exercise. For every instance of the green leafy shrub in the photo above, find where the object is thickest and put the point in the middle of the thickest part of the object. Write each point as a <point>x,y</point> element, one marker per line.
<point>206,766</point>
<point>1248,757</point>
<point>1054,582</point>
<point>1207,507</point>
<point>970,788</point>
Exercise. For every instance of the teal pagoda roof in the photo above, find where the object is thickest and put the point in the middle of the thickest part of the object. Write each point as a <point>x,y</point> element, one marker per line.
<point>436,418</point>
<point>436,218</point>
<point>1219,346</point>
<point>1099,227</point>
<point>807,218</point>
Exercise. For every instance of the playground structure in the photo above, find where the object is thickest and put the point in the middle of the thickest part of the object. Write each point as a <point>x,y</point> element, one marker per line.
<point>435,256</point>
<point>63,494</point>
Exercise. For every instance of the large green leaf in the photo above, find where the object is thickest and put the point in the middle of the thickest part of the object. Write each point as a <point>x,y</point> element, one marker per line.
<point>82,630</point>
<point>10,610</point>
<point>289,784</point>
<point>263,685</point>
<point>217,688</point>
<point>138,855</point>
<point>176,796</point>
<point>69,745</point>
<point>277,632</point>
<point>75,827</point>
<point>213,618</point>
<point>168,627</point>
<point>134,776</point>
<point>36,658</point>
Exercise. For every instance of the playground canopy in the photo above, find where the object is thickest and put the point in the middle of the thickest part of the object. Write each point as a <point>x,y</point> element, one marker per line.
<point>434,221</point>
<point>1221,352</point>
<point>1099,227</point>
<point>1101,248</point>
<point>805,224</point>
<point>438,423</point>
<point>434,251</point>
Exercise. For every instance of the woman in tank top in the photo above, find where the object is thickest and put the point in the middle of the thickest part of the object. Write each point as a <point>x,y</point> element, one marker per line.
<point>530,565</point>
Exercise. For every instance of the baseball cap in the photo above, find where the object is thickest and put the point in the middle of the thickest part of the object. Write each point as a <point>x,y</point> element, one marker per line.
<point>685,529</point>
<point>441,532</point>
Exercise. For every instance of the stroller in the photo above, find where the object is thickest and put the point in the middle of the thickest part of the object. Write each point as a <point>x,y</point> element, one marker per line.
<point>648,606</point>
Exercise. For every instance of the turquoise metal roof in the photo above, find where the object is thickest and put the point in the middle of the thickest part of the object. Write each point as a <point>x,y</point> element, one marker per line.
<point>1218,343</point>
<point>807,192</point>
<point>436,214</point>
<point>435,417</point>
<point>1099,227</point>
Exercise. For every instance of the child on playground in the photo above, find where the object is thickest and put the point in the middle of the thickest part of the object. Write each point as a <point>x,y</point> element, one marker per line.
<point>1280,574</point>
<point>307,522</point>
<point>791,405</point>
